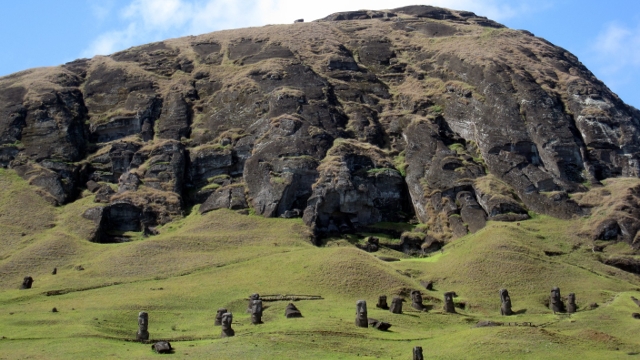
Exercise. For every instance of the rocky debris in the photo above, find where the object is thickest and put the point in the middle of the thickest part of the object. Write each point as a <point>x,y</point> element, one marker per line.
<point>382,302</point>
<point>26,283</point>
<point>505,299</point>
<point>143,327</point>
<point>361,314</point>
<point>372,244</point>
<point>379,325</point>
<point>229,197</point>
<point>227,331</point>
<point>555,301</point>
<point>358,15</point>
<point>416,300</point>
<point>92,186</point>
<point>487,323</point>
<point>449,306</point>
<point>219,314</point>
<point>292,312</point>
<point>571,303</point>
<point>298,21</point>
<point>256,312</point>
<point>396,305</point>
<point>162,347</point>
<point>417,353</point>
<point>128,182</point>
<point>104,193</point>
<point>635,301</point>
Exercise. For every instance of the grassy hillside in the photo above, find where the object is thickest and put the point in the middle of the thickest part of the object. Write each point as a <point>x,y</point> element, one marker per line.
<point>203,262</point>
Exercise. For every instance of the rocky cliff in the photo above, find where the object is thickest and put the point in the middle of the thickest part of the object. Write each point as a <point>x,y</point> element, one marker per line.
<point>361,117</point>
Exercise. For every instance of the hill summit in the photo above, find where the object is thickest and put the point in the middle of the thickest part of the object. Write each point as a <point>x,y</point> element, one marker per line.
<point>412,114</point>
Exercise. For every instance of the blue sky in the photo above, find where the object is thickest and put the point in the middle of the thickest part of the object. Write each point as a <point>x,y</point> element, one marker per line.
<point>605,35</point>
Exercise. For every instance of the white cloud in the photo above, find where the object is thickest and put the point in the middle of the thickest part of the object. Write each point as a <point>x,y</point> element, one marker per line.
<point>152,20</point>
<point>618,47</point>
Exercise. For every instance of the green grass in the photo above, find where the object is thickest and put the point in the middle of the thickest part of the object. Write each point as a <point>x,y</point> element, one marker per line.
<point>202,262</point>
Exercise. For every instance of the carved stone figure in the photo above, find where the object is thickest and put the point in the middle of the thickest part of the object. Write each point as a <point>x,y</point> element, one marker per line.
<point>27,283</point>
<point>636,301</point>
<point>571,303</point>
<point>361,314</point>
<point>505,309</point>
<point>55,271</point>
<point>380,325</point>
<point>292,312</point>
<point>382,302</point>
<point>162,347</point>
<point>251,298</point>
<point>219,314</point>
<point>256,312</point>
<point>396,305</point>
<point>449,306</point>
<point>143,327</point>
<point>227,319</point>
<point>555,301</point>
<point>416,300</point>
<point>417,353</point>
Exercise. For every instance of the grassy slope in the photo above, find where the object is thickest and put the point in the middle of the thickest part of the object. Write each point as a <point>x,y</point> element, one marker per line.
<point>204,262</point>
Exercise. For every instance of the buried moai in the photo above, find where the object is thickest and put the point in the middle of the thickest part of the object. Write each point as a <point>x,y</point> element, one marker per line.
<point>571,303</point>
<point>361,314</point>
<point>449,306</point>
<point>380,325</point>
<point>292,312</point>
<point>143,327</point>
<point>417,353</point>
<point>416,300</point>
<point>219,314</point>
<point>382,302</point>
<point>396,305</point>
<point>555,301</point>
<point>27,282</point>
<point>227,319</point>
<point>505,299</point>
<point>256,312</point>
<point>251,299</point>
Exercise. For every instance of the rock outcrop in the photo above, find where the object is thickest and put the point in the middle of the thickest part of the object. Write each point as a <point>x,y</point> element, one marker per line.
<point>357,118</point>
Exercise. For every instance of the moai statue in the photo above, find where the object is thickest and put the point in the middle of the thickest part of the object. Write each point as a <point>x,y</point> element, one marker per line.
<point>256,312</point>
<point>416,300</point>
<point>382,302</point>
<point>227,319</point>
<point>292,312</point>
<point>417,353</point>
<point>219,314</point>
<point>143,327</point>
<point>449,306</point>
<point>571,303</point>
<point>251,298</point>
<point>27,282</point>
<point>555,301</point>
<point>55,271</point>
<point>162,347</point>
<point>361,314</point>
<point>396,305</point>
<point>505,309</point>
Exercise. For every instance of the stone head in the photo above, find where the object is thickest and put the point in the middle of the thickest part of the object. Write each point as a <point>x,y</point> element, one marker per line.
<point>555,294</point>
<point>227,319</point>
<point>416,296</point>
<point>571,298</point>
<point>256,306</point>
<point>361,309</point>
<point>143,320</point>
<point>504,296</point>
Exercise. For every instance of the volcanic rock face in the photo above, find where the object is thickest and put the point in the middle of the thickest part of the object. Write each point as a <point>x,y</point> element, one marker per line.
<point>357,118</point>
